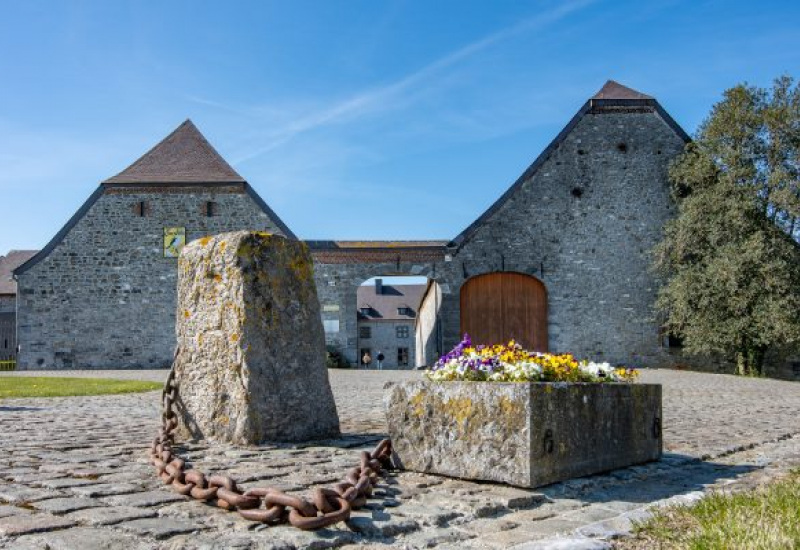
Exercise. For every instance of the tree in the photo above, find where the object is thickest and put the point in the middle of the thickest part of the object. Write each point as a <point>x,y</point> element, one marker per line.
<point>731,258</point>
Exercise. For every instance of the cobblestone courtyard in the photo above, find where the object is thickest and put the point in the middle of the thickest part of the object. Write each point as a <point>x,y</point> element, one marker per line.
<point>74,474</point>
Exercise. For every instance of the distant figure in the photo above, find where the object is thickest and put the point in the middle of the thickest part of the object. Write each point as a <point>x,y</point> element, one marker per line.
<point>366,359</point>
<point>380,360</point>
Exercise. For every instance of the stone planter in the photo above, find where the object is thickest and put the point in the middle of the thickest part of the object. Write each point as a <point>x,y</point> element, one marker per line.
<point>523,434</point>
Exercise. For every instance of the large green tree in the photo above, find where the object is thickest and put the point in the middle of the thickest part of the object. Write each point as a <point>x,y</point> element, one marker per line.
<point>731,258</point>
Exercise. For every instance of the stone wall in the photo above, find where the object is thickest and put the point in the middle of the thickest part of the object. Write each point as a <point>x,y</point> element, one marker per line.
<point>105,296</point>
<point>337,285</point>
<point>427,328</point>
<point>8,303</point>
<point>383,337</point>
<point>584,223</point>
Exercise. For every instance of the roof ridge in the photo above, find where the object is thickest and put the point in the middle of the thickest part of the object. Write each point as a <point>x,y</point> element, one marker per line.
<point>614,90</point>
<point>183,156</point>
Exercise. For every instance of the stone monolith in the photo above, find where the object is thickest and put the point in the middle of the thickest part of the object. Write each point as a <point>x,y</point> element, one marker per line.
<point>251,348</point>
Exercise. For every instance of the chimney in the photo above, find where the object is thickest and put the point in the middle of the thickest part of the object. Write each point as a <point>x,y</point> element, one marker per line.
<point>378,286</point>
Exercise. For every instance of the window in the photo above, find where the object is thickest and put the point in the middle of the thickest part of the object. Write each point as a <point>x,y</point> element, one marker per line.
<point>402,357</point>
<point>365,332</point>
<point>211,208</point>
<point>401,331</point>
<point>331,325</point>
<point>405,310</point>
<point>365,311</point>
<point>140,209</point>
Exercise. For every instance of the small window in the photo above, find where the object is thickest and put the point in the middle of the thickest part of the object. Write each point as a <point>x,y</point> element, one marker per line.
<point>401,331</point>
<point>6,343</point>
<point>405,310</point>
<point>402,357</point>
<point>365,332</point>
<point>331,325</point>
<point>211,208</point>
<point>365,311</point>
<point>140,209</point>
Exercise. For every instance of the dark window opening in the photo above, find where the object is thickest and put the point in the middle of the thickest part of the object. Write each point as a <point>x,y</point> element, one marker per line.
<point>402,357</point>
<point>581,152</point>
<point>622,147</point>
<point>365,311</point>
<point>673,342</point>
<point>6,344</point>
<point>210,208</point>
<point>405,311</point>
<point>577,192</point>
<point>365,332</point>
<point>140,209</point>
<point>401,331</point>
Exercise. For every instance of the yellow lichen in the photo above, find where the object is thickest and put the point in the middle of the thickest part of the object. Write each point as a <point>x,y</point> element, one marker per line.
<point>205,240</point>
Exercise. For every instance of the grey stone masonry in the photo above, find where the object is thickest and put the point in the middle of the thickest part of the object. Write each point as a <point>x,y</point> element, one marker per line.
<point>584,222</point>
<point>522,434</point>
<point>251,351</point>
<point>104,295</point>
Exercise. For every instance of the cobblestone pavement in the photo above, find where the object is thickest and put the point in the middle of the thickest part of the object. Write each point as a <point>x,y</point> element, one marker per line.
<point>74,474</point>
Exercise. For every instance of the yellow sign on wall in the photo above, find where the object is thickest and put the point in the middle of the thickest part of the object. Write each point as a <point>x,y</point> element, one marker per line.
<point>174,241</point>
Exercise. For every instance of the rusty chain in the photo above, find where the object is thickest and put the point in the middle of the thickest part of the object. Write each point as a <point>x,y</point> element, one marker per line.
<point>265,505</point>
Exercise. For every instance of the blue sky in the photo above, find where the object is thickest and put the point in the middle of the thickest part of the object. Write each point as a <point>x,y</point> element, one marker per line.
<point>353,119</point>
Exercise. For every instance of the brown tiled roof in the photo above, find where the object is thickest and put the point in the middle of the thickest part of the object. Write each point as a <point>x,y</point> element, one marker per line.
<point>184,156</point>
<point>8,264</point>
<point>615,90</point>
<point>384,306</point>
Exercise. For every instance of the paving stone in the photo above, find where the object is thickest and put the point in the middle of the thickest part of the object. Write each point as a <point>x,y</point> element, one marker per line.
<point>388,527</point>
<point>65,505</point>
<point>146,498</point>
<point>109,515</point>
<point>66,482</point>
<point>160,528</point>
<point>20,494</point>
<point>84,538</point>
<point>564,544</point>
<point>105,489</point>
<point>8,510</point>
<point>33,523</point>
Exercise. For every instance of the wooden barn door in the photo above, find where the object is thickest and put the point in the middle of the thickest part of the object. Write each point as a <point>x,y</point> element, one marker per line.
<point>497,307</point>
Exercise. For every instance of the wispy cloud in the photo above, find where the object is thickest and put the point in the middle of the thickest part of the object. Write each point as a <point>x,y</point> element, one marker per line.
<point>385,97</point>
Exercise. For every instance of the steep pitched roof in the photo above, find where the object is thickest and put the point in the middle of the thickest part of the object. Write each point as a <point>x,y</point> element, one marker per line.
<point>384,306</point>
<point>614,90</point>
<point>184,156</point>
<point>8,264</point>
<point>610,96</point>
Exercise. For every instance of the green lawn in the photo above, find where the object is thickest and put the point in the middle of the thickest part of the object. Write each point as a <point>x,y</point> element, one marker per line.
<point>766,518</point>
<point>40,386</point>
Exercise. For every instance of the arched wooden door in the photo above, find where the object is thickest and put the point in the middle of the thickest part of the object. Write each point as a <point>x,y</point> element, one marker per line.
<point>497,307</point>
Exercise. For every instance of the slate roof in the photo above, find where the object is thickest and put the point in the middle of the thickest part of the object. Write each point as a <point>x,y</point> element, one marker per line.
<point>8,264</point>
<point>614,90</point>
<point>384,306</point>
<point>184,156</point>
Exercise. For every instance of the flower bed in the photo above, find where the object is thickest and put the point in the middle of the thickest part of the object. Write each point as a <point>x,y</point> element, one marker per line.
<point>501,413</point>
<point>510,363</point>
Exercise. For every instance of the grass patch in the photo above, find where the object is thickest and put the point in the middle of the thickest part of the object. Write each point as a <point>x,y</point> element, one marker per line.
<point>764,518</point>
<point>41,386</point>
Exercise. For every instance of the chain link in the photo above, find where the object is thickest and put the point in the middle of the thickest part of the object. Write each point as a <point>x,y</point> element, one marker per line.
<point>266,505</point>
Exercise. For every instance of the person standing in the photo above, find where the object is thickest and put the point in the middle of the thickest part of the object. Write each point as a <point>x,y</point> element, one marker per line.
<point>380,360</point>
<point>366,359</point>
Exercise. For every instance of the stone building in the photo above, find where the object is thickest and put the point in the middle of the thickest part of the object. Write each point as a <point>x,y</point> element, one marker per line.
<point>8,302</point>
<point>386,319</point>
<point>101,294</point>
<point>560,262</point>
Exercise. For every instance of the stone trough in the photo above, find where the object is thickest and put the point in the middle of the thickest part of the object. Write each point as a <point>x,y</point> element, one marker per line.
<point>523,434</point>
